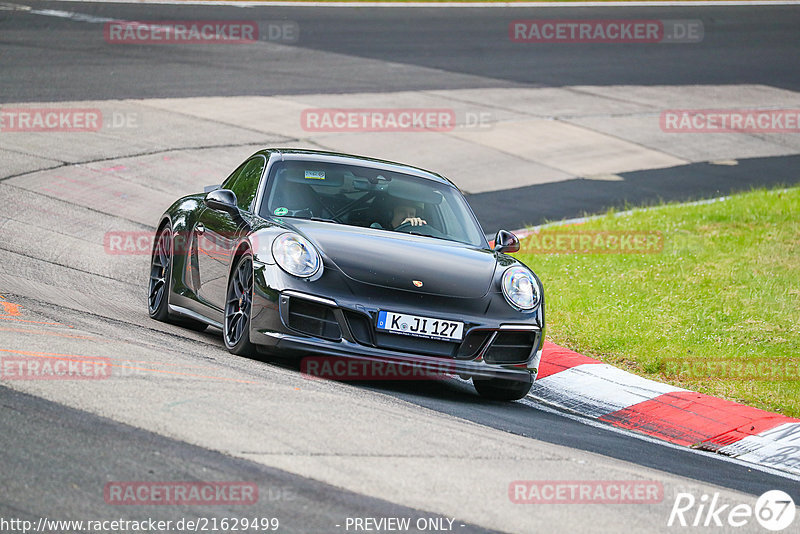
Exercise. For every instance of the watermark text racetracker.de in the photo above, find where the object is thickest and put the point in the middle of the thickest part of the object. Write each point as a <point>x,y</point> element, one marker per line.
<point>140,242</point>
<point>68,120</point>
<point>54,368</point>
<point>730,121</point>
<point>352,369</point>
<point>171,32</point>
<point>48,366</point>
<point>392,120</point>
<point>137,493</point>
<point>586,492</point>
<point>605,31</point>
<point>378,120</point>
<point>571,241</point>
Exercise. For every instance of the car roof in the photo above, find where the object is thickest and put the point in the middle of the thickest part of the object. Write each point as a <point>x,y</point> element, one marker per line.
<point>352,159</point>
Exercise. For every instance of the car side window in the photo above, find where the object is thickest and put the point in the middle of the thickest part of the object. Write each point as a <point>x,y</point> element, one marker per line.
<point>244,182</point>
<point>234,175</point>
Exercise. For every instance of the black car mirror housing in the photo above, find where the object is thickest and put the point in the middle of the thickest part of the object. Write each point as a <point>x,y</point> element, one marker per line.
<point>505,241</point>
<point>222,200</point>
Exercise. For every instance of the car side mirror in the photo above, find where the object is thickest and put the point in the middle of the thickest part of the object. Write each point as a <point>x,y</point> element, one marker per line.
<point>505,241</point>
<point>222,200</point>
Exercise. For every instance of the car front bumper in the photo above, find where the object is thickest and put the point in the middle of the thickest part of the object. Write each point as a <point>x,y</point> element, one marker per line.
<point>290,315</point>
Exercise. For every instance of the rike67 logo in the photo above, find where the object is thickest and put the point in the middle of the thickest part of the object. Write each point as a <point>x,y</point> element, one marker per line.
<point>774,510</point>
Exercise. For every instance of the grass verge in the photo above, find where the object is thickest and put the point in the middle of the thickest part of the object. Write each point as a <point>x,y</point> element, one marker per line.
<point>712,306</point>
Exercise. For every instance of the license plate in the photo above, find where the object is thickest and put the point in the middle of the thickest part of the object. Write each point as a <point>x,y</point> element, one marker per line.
<point>414,325</point>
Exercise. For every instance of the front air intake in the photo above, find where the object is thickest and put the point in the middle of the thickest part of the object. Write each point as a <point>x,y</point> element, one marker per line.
<point>313,319</point>
<point>511,347</point>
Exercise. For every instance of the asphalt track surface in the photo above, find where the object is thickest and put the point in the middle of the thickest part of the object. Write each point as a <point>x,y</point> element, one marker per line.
<point>56,456</point>
<point>578,197</point>
<point>30,426</point>
<point>346,50</point>
<point>47,59</point>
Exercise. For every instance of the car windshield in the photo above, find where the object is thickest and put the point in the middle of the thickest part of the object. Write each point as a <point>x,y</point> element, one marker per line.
<point>369,197</point>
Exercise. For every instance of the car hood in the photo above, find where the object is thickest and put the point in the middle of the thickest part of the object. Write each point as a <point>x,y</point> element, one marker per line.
<point>395,260</point>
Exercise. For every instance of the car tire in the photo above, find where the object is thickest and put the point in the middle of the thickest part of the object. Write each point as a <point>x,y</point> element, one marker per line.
<point>503,389</point>
<point>238,307</point>
<point>160,274</point>
<point>160,277</point>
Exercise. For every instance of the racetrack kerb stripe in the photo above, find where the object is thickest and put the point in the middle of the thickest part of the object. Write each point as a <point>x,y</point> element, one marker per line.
<point>689,418</point>
<point>560,359</point>
<point>682,417</point>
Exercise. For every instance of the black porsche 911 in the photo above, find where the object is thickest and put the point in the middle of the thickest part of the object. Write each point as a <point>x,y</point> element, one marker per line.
<point>317,253</point>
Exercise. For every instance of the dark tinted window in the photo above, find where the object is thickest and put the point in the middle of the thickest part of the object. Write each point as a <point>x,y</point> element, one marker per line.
<point>365,196</point>
<point>244,182</point>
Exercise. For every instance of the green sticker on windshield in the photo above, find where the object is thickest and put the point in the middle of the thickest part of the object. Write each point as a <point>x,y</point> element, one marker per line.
<point>315,175</point>
<point>280,211</point>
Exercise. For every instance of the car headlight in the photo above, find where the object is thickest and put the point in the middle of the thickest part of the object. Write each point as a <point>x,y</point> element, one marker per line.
<point>520,288</point>
<point>296,255</point>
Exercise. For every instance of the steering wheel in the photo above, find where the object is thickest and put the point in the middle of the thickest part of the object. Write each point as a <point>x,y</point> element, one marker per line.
<point>425,229</point>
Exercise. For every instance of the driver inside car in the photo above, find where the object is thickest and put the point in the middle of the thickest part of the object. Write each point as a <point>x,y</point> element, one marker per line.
<point>404,212</point>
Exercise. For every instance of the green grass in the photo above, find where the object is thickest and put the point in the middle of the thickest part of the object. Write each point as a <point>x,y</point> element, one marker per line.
<point>725,286</point>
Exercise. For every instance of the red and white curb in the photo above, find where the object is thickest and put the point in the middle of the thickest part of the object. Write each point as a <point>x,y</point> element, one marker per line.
<point>590,388</point>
